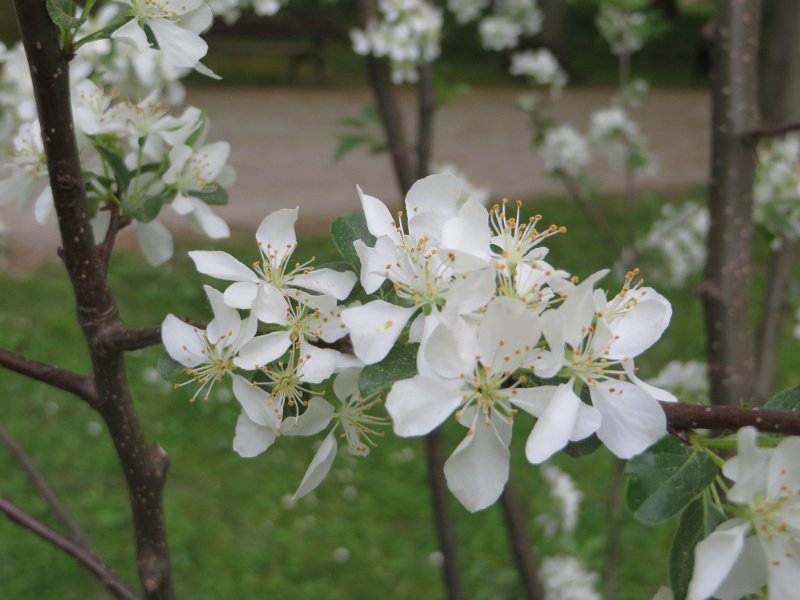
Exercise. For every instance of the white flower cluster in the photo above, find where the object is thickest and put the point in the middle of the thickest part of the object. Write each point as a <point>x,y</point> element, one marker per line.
<point>566,578</point>
<point>466,11</point>
<point>568,498</point>
<point>472,288</point>
<point>622,29</point>
<point>761,545</point>
<point>231,10</point>
<point>509,21</point>
<point>618,138</point>
<point>777,186</point>
<point>687,380</point>
<point>540,66</point>
<point>676,242</point>
<point>407,33</point>
<point>565,150</point>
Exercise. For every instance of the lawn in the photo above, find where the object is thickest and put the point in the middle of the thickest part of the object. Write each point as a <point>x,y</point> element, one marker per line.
<point>365,532</point>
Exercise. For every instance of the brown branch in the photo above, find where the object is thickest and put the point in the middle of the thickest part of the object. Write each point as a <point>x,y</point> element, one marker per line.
<point>700,416</point>
<point>445,529</point>
<point>81,386</point>
<point>107,577</point>
<point>116,224</point>
<point>40,484</point>
<point>380,79</point>
<point>759,133</point>
<point>426,108</point>
<point>778,275</point>
<point>143,466</point>
<point>521,548</point>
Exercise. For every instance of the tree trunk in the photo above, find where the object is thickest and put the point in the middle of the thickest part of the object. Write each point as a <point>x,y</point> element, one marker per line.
<point>726,290</point>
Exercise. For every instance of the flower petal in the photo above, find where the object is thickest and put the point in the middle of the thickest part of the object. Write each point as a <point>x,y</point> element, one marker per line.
<point>315,418</point>
<point>155,240</point>
<point>374,328</point>
<point>222,266</point>
<point>714,558</point>
<point>252,439</point>
<point>507,334</point>
<point>181,47</point>
<point>182,341</point>
<point>319,468</point>
<point>255,402</point>
<point>641,326</point>
<point>262,350</point>
<point>379,219</point>
<point>275,234</point>
<point>554,427</point>
<point>420,404</point>
<point>241,294</point>
<point>338,284</point>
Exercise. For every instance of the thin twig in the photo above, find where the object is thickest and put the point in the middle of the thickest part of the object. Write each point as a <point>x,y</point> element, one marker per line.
<point>778,275</point>
<point>40,484</point>
<point>613,531</point>
<point>766,132</point>
<point>107,577</point>
<point>521,548</point>
<point>441,515</point>
<point>116,224</point>
<point>79,385</point>
<point>701,416</point>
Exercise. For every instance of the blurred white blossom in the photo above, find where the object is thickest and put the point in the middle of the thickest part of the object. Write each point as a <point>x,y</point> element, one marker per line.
<point>566,578</point>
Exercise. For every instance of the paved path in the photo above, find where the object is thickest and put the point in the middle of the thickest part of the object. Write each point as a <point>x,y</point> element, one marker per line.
<point>283,142</point>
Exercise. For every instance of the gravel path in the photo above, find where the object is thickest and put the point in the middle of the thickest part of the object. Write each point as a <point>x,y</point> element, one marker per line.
<point>283,142</point>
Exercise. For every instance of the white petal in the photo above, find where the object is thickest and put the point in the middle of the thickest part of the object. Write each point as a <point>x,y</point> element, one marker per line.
<point>640,327</point>
<point>319,468</point>
<point>657,393</point>
<point>507,334</point>
<point>346,383</point>
<point>181,47</point>
<point>275,234</point>
<point>749,574</point>
<point>315,418</point>
<point>262,350</point>
<point>133,35</point>
<point>155,240</point>
<point>182,341</point>
<point>784,470</point>
<point>430,203</point>
<point>587,423</point>
<point>420,404</point>
<point>373,264</point>
<point>535,400</point>
<point>226,323</point>
<point>222,266</point>
<point>472,291</point>
<point>554,428</point>
<point>578,309</point>
<point>450,349</point>
<point>255,402</point>
<point>208,223</point>
<point>477,471</point>
<point>749,468</point>
<point>714,558</point>
<point>338,284</point>
<point>241,294</point>
<point>783,564</point>
<point>43,207</point>
<point>270,305</point>
<point>468,234</point>
<point>318,363</point>
<point>379,219</point>
<point>197,20</point>
<point>374,328</point>
<point>252,439</point>
<point>631,419</point>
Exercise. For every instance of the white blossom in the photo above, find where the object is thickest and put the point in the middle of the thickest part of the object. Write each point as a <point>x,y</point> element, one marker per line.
<point>539,65</point>
<point>566,578</point>
<point>565,150</point>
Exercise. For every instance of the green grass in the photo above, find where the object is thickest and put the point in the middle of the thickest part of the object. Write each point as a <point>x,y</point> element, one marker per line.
<point>231,534</point>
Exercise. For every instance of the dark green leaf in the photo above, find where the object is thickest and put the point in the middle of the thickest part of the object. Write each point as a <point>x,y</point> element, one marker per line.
<point>788,400</point>
<point>348,143</point>
<point>169,368</point>
<point>698,520</point>
<point>665,478</point>
<point>58,11</point>
<point>400,363</point>
<point>583,447</point>
<point>117,165</point>
<point>345,230</point>
<point>146,209</point>
<point>217,196</point>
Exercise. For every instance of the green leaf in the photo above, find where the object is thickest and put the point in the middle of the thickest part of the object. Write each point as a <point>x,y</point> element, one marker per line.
<point>169,368</point>
<point>583,447</point>
<point>788,400</point>
<point>665,478</point>
<point>59,13</point>
<point>146,209</point>
<point>400,363</point>
<point>345,230</point>
<point>217,196</point>
<point>117,165</point>
<point>698,520</point>
<point>348,143</point>
<point>354,122</point>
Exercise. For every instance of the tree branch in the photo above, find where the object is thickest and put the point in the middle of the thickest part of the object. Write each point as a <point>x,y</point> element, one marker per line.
<point>426,108</point>
<point>106,576</point>
<point>116,224</point>
<point>79,385</point>
<point>521,548</point>
<point>700,416</point>
<point>143,466</point>
<point>40,484</point>
<point>759,133</point>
